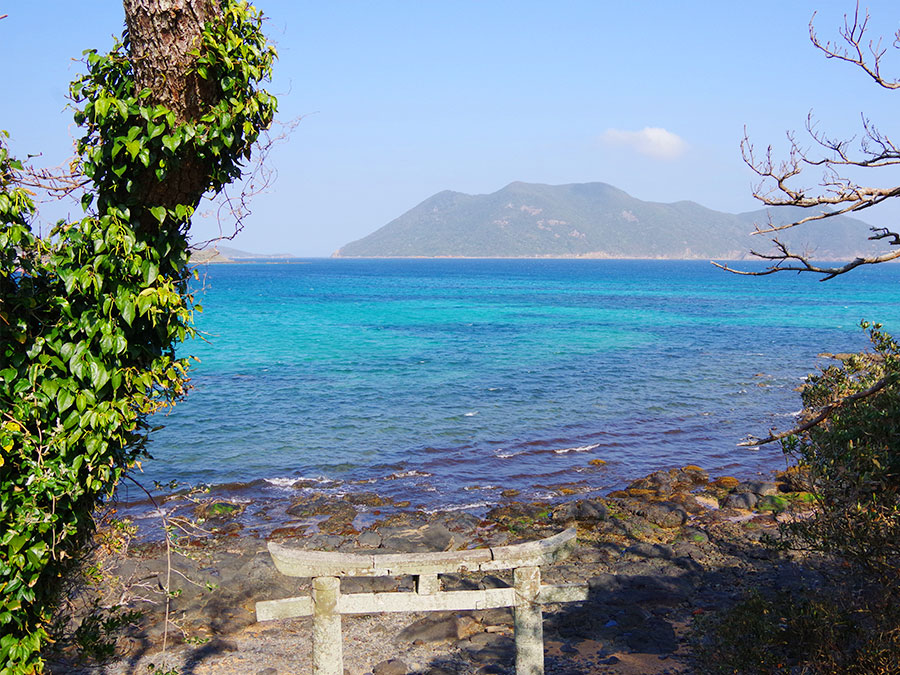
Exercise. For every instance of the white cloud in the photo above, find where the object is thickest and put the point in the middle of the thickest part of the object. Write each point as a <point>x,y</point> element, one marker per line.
<point>654,142</point>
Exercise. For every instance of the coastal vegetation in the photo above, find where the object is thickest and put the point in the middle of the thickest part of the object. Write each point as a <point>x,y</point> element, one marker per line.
<point>846,446</point>
<point>90,316</point>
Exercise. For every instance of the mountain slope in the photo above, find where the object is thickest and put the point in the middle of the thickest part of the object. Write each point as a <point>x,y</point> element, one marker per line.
<point>588,220</point>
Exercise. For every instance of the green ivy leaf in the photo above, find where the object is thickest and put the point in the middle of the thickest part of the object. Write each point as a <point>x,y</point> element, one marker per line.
<point>159,212</point>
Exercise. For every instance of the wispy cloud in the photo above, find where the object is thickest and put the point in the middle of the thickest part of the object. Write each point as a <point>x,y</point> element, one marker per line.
<point>654,142</point>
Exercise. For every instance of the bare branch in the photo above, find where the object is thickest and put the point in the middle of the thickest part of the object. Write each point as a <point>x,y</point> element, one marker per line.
<point>787,261</point>
<point>853,34</point>
<point>57,182</point>
<point>231,211</point>
<point>823,415</point>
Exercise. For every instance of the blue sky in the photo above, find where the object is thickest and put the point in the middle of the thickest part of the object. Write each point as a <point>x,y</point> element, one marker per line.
<point>400,100</point>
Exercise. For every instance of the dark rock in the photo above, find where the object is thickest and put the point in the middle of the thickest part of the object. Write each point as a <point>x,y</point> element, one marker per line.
<point>323,542</point>
<point>321,506</point>
<point>760,488</point>
<point>492,581</point>
<point>740,500</point>
<point>604,583</point>
<point>435,627</point>
<point>368,584</point>
<point>661,482</point>
<point>693,535</point>
<point>218,510</point>
<point>501,616</point>
<point>591,509</point>
<point>491,648</point>
<point>518,513</point>
<point>455,582</point>
<point>491,669</point>
<point>646,550</point>
<point>654,636</point>
<point>661,514</point>
<point>432,537</point>
<point>688,502</point>
<point>366,499</point>
<point>565,513</point>
<point>460,521</point>
<point>369,539</point>
<point>665,514</point>
<point>390,667</point>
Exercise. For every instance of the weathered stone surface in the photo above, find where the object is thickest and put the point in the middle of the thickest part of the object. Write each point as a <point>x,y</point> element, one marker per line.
<point>491,648</point>
<point>495,617</point>
<point>433,628</point>
<point>432,537</point>
<point>761,488</point>
<point>591,509</point>
<point>390,667</point>
<point>740,500</point>
<point>662,514</point>
<point>653,636</point>
<point>646,550</point>
<point>366,499</point>
<point>369,539</point>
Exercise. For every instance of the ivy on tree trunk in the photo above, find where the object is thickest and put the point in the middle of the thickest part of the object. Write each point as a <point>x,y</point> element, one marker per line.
<point>90,317</point>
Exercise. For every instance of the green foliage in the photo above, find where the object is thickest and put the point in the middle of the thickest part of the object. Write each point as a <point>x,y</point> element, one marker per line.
<point>810,633</point>
<point>89,318</point>
<point>853,461</point>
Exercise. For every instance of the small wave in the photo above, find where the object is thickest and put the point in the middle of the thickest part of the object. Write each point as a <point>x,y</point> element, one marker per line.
<point>470,414</point>
<point>154,513</point>
<point>285,482</point>
<point>580,448</point>
<point>412,473</point>
<point>281,482</point>
<point>460,507</point>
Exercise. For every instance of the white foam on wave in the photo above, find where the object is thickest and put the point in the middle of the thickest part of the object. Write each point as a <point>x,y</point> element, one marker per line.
<point>412,473</point>
<point>460,507</point>
<point>153,513</point>
<point>470,414</point>
<point>580,448</point>
<point>281,482</point>
<point>287,482</point>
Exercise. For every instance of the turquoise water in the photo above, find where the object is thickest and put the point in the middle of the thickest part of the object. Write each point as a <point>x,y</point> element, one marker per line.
<point>445,381</point>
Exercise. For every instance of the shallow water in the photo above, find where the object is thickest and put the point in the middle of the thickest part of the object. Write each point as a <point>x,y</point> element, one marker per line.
<point>445,381</point>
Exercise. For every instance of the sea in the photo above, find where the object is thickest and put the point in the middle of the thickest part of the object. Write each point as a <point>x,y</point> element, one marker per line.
<point>446,382</point>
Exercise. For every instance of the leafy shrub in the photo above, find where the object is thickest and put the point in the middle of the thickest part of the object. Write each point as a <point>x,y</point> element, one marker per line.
<point>846,633</point>
<point>90,317</point>
<point>853,460</point>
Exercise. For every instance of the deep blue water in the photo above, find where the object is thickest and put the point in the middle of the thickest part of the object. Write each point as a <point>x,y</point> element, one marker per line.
<point>445,381</point>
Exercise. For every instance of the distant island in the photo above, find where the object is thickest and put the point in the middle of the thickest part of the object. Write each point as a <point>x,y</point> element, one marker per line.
<point>226,254</point>
<point>593,220</point>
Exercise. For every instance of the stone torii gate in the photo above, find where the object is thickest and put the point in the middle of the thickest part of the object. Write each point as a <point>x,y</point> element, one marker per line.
<point>327,604</point>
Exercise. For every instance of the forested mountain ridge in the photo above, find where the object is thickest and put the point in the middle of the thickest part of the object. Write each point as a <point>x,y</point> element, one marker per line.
<point>597,220</point>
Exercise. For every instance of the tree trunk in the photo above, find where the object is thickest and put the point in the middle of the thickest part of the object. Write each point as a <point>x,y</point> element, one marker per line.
<point>162,34</point>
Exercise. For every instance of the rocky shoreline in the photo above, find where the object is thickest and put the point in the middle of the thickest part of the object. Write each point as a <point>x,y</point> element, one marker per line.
<point>673,546</point>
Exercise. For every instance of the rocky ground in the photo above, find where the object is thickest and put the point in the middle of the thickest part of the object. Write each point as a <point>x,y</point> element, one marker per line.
<point>673,546</point>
